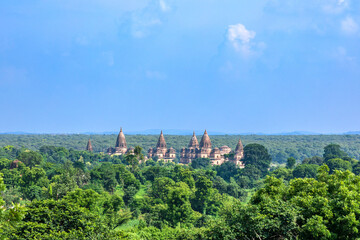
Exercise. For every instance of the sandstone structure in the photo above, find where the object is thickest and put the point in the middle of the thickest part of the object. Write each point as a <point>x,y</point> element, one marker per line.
<point>89,147</point>
<point>120,146</point>
<point>161,151</point>
<point>204,150</point>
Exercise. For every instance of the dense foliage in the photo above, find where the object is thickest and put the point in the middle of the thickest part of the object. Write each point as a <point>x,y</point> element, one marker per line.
<point>279,147</point>
<point>60,193</point>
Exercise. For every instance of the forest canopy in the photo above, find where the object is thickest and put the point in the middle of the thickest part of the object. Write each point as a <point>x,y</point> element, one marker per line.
<point>61,193</point>
<point>280,147</point>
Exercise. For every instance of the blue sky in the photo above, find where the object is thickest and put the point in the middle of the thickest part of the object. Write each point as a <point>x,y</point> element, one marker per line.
<point>230,66</point>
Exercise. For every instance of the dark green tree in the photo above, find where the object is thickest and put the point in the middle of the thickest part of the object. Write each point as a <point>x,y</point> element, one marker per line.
<point>305,171</point>
<point>227,170</point>
<point>202,194</point>
<point>333,151</point>
<point>338,164</point>
<point>290,163</point>
<point>201,163</point>
<point>258,156</point>
<point>129,194</point>
<point>30,158</point>
<point>314,160</point>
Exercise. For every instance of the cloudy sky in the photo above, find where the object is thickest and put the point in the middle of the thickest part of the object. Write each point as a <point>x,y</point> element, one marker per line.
<point>232,66</point>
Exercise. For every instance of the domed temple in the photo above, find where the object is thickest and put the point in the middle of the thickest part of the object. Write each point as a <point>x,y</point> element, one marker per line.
<point>120,146</point>
<point>161,151</point>
<point>204,150</point>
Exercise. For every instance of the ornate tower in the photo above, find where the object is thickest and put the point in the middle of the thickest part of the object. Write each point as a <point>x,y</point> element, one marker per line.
<point>161,149</point>
<point>205,146</point>
<point>161,142</point>
<point>193,142</point>
<point>239,151</point>
<point>121,141</point>
<point>205,141</point>
<point>89,146</point>
<point>120,146</point>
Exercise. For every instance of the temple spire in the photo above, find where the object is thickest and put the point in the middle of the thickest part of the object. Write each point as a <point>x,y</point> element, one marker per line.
<point>161,142</point>
<point>239,146</point>
<point>121,141</point>
<point>89,146</point>
<point>205,141</point>
<point>193,141</point>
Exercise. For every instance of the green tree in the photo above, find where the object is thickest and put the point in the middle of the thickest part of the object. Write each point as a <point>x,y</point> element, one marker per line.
<point>258,156</point>
<point>284,173</point>
<point>201,163</point>
<point>181,174</point>
<point>202,194</point>
<point>333,151</point>
<point>129,194</point>
<point>4,163</point>
<point>306,208</point>
<point>134,159</point>
<point>88,199</point>
<point>338,164</point>
<point>50,217</point>
<point>305,171</point>
<point>179,207</point>
<point>234,190</point>
<point>62,184</point>
<point>160,188</point>
<point>290,163</point>
<point>220,184</point>
<point>106,174</point>
<point>31,158</point>
<point>314,160</point>
<point>32,182</point>
<point>10,217</point>
<point>227,170</point>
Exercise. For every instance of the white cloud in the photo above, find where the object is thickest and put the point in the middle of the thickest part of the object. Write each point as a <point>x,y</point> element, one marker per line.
<point>164,6</point>
<point>336,6</point>
<point>349,26</point>
<point>240,38</point>
<point>146,21</point>
<point>341,54</point>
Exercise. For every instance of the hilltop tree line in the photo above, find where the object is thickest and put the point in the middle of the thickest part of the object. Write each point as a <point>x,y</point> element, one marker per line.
<point>280,147</point>
<point>60,193</point>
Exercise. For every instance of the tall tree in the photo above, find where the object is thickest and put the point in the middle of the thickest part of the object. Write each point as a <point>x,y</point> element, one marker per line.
<point>9,217</point>
<point>202,194</point>
<point>31,158</point>
<point>333,151</point>
<point>290,163</point>
<point>258,156</point>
